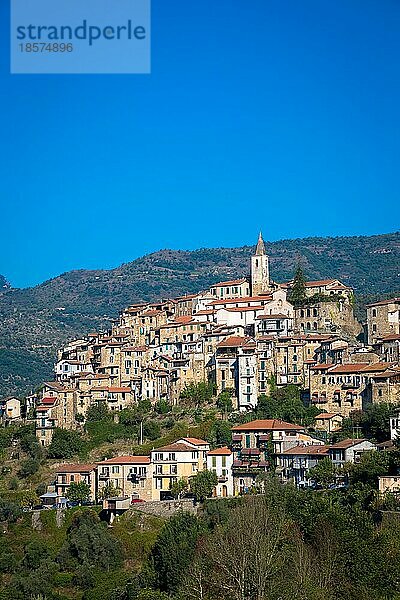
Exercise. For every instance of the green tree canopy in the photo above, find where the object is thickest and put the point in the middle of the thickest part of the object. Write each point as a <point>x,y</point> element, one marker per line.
<point>203,484</point>
<point>65,444</point>
<point>174,550</point>
<point>78,491</point>
<point>297,294</point>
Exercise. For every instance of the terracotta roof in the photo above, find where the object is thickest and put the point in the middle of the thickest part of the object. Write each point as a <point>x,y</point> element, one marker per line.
<point>233,341</point>
<point>232,282</point>
<point>67,468</point>
<point>383,302</point>
<point>324,416</point>
<point>321,367</point>
<point>195,441</point>
<point>126,460</point>
<point>348,443</point>
<point>55,385</point>
<point>391,338</point>
<point>244,308</point>
<point>183,319</point>
<point>267,425</point>
<point>352,368</point>
<point>174,448</point>
<point>205,312</point>
<point>119,389</point>
<point>42,408</point>
<point>277,316</point>
<point>312,449</point>
<point>225,451</point>
<point>240,300</point>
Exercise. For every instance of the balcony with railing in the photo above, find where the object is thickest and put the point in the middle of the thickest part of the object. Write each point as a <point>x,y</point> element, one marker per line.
<point>104,475</point>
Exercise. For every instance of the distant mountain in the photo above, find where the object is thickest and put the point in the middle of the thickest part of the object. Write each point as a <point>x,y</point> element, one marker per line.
<point>34,322</point>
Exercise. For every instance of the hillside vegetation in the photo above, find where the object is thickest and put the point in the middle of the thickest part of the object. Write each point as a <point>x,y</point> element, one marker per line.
<point>34,322</point>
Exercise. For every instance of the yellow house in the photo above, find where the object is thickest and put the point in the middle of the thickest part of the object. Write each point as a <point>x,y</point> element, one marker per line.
<point>180,460</point>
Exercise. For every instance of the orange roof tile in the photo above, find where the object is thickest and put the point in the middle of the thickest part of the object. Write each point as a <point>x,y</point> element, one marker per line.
<point>232,282</point>
<point>267,425</point>
<point>225,451</point>
<point>68,468</point>
<point>126,460</point>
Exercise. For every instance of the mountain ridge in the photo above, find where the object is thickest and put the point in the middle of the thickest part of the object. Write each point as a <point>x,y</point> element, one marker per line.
<point>35,321</point>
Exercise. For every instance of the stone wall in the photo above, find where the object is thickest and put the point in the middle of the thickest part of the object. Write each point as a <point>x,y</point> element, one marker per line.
<point>165,508</point>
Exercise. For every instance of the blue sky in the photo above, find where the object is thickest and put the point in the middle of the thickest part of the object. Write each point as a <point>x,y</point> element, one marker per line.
<point>280,115</point>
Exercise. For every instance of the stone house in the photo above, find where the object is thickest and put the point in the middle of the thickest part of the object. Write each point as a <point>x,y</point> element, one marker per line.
<point>69,473</point>
<point>132,476</point>
<point>328,422</point>
<point>10,409</point>
<point>254,447</point>
<point>383,319</point>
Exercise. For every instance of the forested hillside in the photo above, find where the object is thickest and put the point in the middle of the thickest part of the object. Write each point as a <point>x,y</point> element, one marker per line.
<point>34,322</point>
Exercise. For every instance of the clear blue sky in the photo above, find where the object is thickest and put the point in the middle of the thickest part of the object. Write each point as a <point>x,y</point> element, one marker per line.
<point>280,115</point>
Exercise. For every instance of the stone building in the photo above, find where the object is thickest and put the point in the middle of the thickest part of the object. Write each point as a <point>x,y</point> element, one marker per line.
<point>383,319</point>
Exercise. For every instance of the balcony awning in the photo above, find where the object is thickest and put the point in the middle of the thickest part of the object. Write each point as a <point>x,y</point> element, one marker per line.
<point>263,437</point>
<point>236,437</point>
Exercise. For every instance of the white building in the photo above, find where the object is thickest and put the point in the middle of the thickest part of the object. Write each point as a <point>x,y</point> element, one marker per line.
<point>220,461</point>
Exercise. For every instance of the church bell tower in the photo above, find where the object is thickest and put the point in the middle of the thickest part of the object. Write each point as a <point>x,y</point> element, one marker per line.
<point>260,270</point>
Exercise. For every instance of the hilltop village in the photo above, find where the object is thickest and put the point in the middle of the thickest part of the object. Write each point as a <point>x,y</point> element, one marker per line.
<point>242,336</point>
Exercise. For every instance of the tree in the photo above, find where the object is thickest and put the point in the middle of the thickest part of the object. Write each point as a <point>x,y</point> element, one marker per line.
<point>109,491</point>
<point>297,294</point>
<point>30,466</point>
<point>203,484</point>
<point>220,433</point>
<point>324,472</point>
<point>36,552</point>
<point>224,402</point>
<point>372,465</point>
<point>98,412</point>
<point>78,492</point>
<point>89,543</point>
<point>179,487</point>
<point>9,511</point>
<point>173,551</point>
<point>151,430</point>
<point>65,444</point>
<point>198,393</point>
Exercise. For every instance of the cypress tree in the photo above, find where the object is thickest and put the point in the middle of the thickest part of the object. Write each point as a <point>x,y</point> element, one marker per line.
<point>297,294</point>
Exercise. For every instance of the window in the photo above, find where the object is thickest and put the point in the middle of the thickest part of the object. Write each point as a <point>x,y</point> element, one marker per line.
<point>171,456</point>
<point>195,455</point>
<point>115,470</point>
<point>214,461</point>
<point>248,441</point>
<point>224,461</point>
<point>374,312</point>
<point>194,468</point>
<point>158,456</point>
<point>158,483</point>
<point>159,469</point>
<point>173,469</point>
<point>72,478</point>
